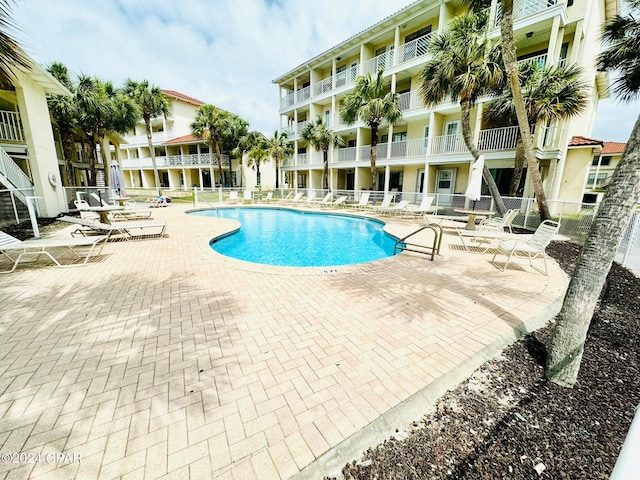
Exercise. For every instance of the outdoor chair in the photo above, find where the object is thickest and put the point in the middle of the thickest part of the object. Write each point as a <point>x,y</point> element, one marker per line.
<point>398,209</point>
<point>296,198</point>
<point>500,223</point>
<point>92,227</point>
<point>386,203</point>
<point>233,197</point>
<point>337,203</point>
<point>43,246</point>
<point>326,200</point>
<point>423,208</point>
<point>533,248</point>
<point>269,197</point>
<point>363,203</point>
<point>246,196</point>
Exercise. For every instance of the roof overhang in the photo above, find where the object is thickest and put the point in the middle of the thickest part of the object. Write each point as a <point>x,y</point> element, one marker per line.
<point>43,78</point>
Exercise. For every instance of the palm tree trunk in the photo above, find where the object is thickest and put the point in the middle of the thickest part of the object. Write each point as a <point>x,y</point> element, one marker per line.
<point>511,66</point>
<point>66,139</point>
<point>325,169</point>
<point>230,172</point>
<point>105,158</point>
<point>465,107</point>
<point>91,154</point>
<point>219,157</point>
<point>277,160</point>
<point>517,168</point>
<point>258,176</point>
<point>156,174</point>
<point>373,154</point>
<point>567,343</point>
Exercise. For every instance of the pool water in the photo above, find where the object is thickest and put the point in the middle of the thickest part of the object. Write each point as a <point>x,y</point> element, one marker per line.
<point>301,239</point>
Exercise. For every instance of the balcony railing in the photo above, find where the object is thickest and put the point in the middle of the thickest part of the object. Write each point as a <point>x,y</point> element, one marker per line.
<point>525,8</point>
<point>346,77</point>
<point>414,49</point>
<point>11,126</point>
<point>539,59</point>
<point>498,139</point>
<point>345,154</point>
<point>410,101</point>
<point>303,94</point>
<point>317,158</point>
<point>323,86</point>
<point>156,138</point>
<point>448,144</point>
<point>380,62</point>
<point>191,160</point>
<point>409,148</point>
<point>303,159</point>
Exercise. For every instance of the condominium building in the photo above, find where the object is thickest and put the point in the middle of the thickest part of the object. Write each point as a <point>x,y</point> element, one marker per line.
<point>425,152</point>
<point>182,159</point>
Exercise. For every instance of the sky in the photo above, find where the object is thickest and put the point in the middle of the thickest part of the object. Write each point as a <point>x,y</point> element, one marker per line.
<point>220,51</point>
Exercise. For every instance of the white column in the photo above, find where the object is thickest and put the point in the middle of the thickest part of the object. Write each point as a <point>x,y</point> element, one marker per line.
<point>43,159</point>
<point>553,40</point>
<point>387,175</point>
<point>396,46</point>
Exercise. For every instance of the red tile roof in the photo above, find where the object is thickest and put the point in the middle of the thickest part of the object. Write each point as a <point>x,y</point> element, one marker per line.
<point>610,148</point>
<point>191,138</point>
<point>182,96</point>
<point>578,141</point>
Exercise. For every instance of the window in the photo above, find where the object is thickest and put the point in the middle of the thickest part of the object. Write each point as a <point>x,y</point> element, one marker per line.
<point>604,161</point>
<point>593,181</point>
<point>417,34</point>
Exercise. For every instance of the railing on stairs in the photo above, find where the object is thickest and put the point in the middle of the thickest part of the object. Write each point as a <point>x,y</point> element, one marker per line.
<point>12,176</point>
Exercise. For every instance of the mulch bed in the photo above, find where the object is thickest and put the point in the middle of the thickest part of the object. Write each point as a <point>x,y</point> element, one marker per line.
<point>508,422</point>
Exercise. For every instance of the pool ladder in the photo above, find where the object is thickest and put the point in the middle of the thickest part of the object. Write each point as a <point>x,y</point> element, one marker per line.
<point>404,243</point>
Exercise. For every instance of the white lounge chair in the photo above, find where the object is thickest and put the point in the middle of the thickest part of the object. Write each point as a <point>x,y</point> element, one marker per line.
<point>338,202</point>
<point>326,200</point>
<point>268,198</point>
<point>500,223</point>
<point>43,246</point>
<point>363,203</point>
<point>386,203</point>
<point>396,209</point>
<point>533,248</point>
<point>246,196</point>
<point>123,228</point>
<point>233,197</point>
<point>296,198</point>
<point>423,208</point>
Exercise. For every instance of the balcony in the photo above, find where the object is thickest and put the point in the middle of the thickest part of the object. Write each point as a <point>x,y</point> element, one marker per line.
<point>345,155</point>
<point>526,8</point>
<point>323,86</point>
<point>493,139</point>
<point>156,137</point>
<point>380,62</point>
<point>414,49</point>
<point>11,127</point>
<point>410,101</point>
<point>191,160</point>
<point>448,144</point>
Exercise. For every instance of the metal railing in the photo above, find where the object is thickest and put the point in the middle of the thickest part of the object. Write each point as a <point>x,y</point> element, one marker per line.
<point>11,126</point>
<point>504,138</point>
<point>173,161</point>
<point>12,176</point>
<point>156,137</point>
<point>414,49</point>
<point>445,144</point>
<point>410,101</point>
<point>380,62</point>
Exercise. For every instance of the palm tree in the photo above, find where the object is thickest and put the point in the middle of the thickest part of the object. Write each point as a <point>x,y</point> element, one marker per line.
<point>373,103</point>
<point>464,67</point>
<point>550,94</point>
<point>237,129</point>
<point>258,154</point>
<point>510,60</point>
<point>622,35</point>
<point>64,112</point>
<point>90,108</point>
<point>244,144</point>
<point>318,135</point>
<point>212,124</point>
<point>11,54</point>
<point>152,103</point>
<point>279,148</point>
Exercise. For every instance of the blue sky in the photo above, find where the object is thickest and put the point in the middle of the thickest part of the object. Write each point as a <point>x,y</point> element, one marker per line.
<point>222,52</point>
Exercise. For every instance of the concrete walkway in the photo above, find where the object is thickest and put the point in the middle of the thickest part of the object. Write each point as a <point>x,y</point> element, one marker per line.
<point>164,359</point>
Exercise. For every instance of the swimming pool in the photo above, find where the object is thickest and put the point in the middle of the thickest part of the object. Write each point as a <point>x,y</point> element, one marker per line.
<point>284,237</point>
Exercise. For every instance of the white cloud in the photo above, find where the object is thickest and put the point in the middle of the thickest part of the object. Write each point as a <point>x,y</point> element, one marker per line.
<point>223,52</point>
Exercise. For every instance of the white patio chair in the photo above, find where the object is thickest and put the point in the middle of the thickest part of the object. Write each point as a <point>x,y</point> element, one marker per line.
<point>43,246</point>
<point>533,248</point>
<point>500,223</point>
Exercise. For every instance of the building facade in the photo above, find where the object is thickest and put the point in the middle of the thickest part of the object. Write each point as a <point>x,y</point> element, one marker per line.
<point>183,161</point>
<point>28,157</point>
<point>425,152</point>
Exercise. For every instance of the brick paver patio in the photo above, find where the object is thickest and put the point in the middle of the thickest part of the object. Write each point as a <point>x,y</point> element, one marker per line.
<point>163,359</point>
